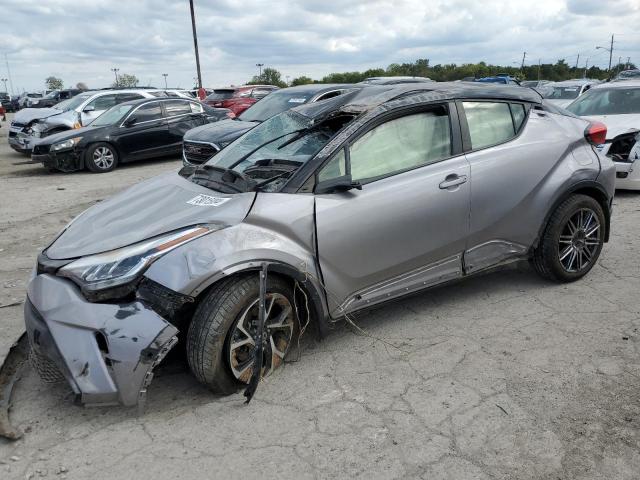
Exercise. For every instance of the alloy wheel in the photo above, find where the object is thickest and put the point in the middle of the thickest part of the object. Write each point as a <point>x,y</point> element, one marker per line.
<point>103,158</point>
<point>579,241</point>
<point>276,338</point>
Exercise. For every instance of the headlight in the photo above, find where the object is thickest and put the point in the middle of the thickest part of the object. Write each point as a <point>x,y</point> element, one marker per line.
<point>35,102</point>
<point>121,266</point>
<point>65,145</point>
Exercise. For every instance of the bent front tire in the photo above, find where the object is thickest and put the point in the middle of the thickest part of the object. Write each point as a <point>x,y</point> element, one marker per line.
<point>572,240</point>
<point>101,157</point>
<point>221,338</point>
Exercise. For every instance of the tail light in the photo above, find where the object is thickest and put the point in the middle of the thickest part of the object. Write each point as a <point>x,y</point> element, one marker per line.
<point>596,133</point>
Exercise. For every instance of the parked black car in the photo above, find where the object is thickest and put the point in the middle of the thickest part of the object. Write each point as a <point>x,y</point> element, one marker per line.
<point>130,131</point>
<point>56,96</point>
<point>201,143</point>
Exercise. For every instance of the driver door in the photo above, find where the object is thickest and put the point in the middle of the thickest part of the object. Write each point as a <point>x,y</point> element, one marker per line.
<point>406,229</point>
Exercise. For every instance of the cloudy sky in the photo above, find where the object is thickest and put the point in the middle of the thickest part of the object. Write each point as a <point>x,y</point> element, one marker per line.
<point>82,40</point>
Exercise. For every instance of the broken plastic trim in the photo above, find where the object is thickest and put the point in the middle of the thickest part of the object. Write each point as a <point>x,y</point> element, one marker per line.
<point>257,352</point>
<point>10,373</point>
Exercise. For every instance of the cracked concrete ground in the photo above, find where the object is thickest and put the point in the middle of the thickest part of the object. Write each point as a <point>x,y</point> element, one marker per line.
<point>504,376</point>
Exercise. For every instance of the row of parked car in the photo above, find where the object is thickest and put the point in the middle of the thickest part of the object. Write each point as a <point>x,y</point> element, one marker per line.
<point>97,130</point>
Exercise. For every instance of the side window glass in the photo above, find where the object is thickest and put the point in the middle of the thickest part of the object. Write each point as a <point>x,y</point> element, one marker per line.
<point>519,114</point>
<point>150,111</point>
<point>334,169</point>
<point>125,97</point>
<point>176,107</point>
<point>489,123</point>
<point>329,95</point>
<point>196,108</point>
<point>103,103</point>
<point>397,145</point>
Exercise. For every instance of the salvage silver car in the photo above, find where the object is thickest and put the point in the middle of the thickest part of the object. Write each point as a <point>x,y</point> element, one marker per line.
<point>318,212</point>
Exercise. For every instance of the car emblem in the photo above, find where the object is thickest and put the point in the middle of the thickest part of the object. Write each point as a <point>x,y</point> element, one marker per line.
<point>207,201</point>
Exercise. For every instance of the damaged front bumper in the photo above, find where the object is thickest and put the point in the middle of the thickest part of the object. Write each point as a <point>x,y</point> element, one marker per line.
<point>65,161</point>
<point>106,352</point>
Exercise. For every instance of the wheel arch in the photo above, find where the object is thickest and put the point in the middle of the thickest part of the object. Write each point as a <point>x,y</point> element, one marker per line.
<point>589,188</point>
<point>317,306</point>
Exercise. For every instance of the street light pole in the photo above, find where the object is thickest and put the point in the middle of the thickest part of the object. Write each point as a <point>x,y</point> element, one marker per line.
<point>523,57</point>
<point>259,65</point>
<point>610,50</point>
<point>115,72</point>
<point>195,42</point>
<point>165,80</point>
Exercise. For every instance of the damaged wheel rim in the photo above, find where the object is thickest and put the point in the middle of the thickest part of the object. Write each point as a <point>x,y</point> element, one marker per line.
<point>277,336</point>
<point>103,157</point>
<point>579,241</point>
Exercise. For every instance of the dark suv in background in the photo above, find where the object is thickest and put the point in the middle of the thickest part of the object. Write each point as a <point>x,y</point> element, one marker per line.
<point>52,98</point>
<point>238,99</point>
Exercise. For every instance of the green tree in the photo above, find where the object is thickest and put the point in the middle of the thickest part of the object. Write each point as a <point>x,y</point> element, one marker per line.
<point>126,80</point>
<point>54,83</point>
<point>270,76</point>
<point>302,80</point>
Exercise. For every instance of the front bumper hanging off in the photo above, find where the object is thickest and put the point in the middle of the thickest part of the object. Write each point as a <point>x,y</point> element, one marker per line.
<point>106,352</point>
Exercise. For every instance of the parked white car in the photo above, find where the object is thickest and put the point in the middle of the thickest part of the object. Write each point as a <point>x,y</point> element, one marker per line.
<point>561,94</point>
<point>617,105</point>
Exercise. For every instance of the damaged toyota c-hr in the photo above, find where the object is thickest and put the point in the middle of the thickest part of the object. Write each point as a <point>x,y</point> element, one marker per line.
<point>316,213</point>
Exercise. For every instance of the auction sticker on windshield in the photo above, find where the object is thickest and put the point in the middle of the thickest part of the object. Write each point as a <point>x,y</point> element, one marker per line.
<point>207,201</point>
<point>297,100</point>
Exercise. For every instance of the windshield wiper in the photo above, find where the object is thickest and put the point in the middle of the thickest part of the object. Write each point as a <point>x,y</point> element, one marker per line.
<point>222,179</point>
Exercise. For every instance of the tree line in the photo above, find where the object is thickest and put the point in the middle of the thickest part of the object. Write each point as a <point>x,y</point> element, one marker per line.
<point>558,71</point>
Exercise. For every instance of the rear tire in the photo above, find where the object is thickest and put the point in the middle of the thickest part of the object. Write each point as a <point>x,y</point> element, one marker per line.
<point>572,240</point>
<point>214,332</point>
<point>101,157</point>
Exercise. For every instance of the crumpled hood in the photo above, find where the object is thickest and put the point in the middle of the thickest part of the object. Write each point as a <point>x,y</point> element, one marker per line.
<point>617,124</point>
<point>159,205</point>
<point>222,132</point>
<point>27,115</point>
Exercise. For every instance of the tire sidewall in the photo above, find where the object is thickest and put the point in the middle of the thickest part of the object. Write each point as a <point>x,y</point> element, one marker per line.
<point>90,164</point>
<point>557,228</point>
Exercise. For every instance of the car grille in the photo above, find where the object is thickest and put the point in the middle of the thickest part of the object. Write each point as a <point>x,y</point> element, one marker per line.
<point>47,370</point>
<point>198,153</point>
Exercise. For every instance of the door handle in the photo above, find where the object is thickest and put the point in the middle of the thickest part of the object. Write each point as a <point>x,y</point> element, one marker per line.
<point>453,180</point>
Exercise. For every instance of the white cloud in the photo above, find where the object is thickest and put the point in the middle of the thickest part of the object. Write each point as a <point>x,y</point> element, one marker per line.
<point>81,41</point>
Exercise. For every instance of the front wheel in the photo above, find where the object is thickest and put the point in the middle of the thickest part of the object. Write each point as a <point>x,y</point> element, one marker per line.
<point>101,157</point>
<point>221,338</point>
<point>572,240</point>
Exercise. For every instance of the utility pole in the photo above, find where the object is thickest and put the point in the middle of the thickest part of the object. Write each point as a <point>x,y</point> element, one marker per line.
<point>577,60</point>
<point>524,55</point>
<point>610,50</point>
<point>165,80</point>
<point>195,43</point>
<point>6,60</point>
<point>628,62</point>
<point>586,64</point>
<point>115,72</point>
<point>259,65</point>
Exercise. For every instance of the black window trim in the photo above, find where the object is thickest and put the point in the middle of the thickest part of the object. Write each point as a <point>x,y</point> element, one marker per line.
<point>162,112</point>
<point>456,143</point>
<point>464,126</point>
<point>173,99</point>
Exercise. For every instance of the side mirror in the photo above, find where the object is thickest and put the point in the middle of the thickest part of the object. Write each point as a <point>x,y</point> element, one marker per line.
<point>88,108</point>
<point>129,122</point>
<point>338,184</point>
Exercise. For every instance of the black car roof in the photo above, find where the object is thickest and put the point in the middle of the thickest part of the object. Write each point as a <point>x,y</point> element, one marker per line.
<point>315,88</point>
<point>371,96</point>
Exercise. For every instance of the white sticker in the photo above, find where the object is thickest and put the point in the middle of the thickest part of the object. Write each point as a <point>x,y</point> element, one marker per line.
<point>207,201</point>
<point>297,100</point>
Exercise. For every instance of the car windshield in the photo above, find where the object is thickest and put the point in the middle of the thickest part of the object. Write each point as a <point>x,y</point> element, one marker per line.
<point>34,95</point>
<point>629,74</point>
<point>274,104</point>
<point>72,103</point>
<point>111,116</point>
<point>220,95</point>
<point>562,93</point>
<point>52,94</point>
<point>607,101</point>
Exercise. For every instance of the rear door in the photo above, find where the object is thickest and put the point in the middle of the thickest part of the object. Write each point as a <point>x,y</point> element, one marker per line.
<point>513,151</point>
<point>181,115</point>
<point>406,229</point>
<point>148,136</point>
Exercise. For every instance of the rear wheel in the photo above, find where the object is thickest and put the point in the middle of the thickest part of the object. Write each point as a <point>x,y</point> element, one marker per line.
<point>572,240</point>
<point>221,338</point>
<point>101,157</point>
